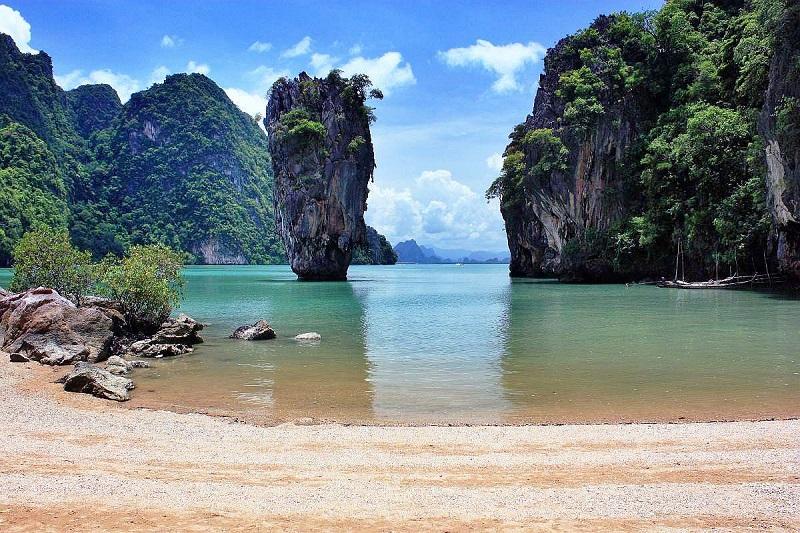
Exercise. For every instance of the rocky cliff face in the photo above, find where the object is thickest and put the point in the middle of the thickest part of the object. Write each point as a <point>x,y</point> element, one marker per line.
<point>571,181</point>
<point>323,161</point>
<point>780,126</point>
<point>376,250</point>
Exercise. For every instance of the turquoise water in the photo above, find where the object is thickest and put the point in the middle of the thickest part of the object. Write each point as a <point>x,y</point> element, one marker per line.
<point>444,344</point>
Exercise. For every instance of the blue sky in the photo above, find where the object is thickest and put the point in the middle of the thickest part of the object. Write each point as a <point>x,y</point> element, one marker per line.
<point>457,77</point>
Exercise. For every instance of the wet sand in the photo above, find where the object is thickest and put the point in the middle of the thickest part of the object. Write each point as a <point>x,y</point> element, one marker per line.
<point>73,462</point>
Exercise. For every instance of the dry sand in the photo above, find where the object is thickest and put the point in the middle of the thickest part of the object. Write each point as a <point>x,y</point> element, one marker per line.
<point>72,462</point>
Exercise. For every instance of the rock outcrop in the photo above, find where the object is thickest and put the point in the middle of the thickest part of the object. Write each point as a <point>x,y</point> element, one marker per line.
<point>377,250</point>
<point>181,330</point>
<point>90,379</point>
<point>323,160</point>
<point>573,193</point>
<point>261,330</point>
<point>46,327</point>
<point>780,126</point>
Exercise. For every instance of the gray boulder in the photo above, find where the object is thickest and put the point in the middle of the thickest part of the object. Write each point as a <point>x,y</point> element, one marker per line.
<point>261,330</point>
<point>149,348</point>
<point>18,358</point>
<point>139,364</point>
<point>181,330</point>
<point>46,327</point>
<point>118,366</point>
<point>89,379</point>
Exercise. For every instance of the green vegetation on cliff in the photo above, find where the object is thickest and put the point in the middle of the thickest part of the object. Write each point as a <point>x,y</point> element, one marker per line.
<point>32,190</point>
<point>181,165</point>
<point>678,92</point>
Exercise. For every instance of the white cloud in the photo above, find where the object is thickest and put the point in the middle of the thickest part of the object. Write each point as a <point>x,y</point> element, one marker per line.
<point>301,48</point>
<point>355,50</point>
<point>495,162</point>
<point>436,209</point>
<point>171,41</point>
<point>122,83</point>
<point>504,60</point>
<point>265,76</point>
<point>386,72</point>
<point>13,24</point>
<point>197,68</point>
<point>322,63</point>
<point>250,103</point>
<point>260,47</point>
<point>158,75</point>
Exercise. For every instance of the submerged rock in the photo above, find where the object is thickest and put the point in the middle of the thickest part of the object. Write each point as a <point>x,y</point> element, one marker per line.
<point>89,379</point>
<point>150,349</point>
<point>310,336</point>
<point>139,364</point>
<point>323,160</point>
<point>181,330</point>
<point>46,327</point>
<point>118,366</point>
<point>261,330</point>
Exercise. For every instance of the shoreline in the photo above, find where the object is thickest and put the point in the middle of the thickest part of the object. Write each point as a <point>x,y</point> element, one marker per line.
<point>75,461</point>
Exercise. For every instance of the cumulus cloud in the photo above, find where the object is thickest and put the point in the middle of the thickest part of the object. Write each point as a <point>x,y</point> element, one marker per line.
<point>260,47</point>
<point>12,23</point>
<point>355,50</point>
<point>495,162</point>
<point>505,61</point>
<point>250,103</point>
<point>301,48</point>
<point>322,63</point>
<point>265,76</point>
<point>436,209</point>
<point>122,83</point>
<point>197,68</point>
<point>171,41</point>
<point>387,72</point>
<point>158,75</point>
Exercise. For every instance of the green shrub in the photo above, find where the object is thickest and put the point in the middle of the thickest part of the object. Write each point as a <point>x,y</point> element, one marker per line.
<point>46,258</point>
<point>147,282</point>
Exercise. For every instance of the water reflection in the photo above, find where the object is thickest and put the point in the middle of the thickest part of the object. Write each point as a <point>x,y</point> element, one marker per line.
<point>435,348</point>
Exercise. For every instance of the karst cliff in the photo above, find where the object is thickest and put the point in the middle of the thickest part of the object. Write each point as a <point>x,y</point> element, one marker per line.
<point>323,161</point>
<point>645,146</point>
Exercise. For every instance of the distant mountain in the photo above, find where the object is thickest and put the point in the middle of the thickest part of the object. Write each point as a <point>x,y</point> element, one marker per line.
<point>470,255</point>
<point>411,252</point>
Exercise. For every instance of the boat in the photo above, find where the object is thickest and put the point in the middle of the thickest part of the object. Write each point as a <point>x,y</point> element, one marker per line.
<point>732,282</point>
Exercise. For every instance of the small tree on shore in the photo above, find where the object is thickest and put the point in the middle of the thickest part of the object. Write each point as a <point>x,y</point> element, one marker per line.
<point>147,283</point>
<point>46,258</point>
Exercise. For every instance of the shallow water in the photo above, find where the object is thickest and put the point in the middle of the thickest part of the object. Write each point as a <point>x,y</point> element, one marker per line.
<point>449,344</point>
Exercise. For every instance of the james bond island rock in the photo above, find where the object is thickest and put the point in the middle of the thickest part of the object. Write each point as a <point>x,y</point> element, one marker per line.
<point>620,165</point>
<point>780,125</point>
<point>322,160</point>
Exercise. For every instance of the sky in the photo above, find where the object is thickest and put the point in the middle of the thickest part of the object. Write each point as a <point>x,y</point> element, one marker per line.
<point>456,75</point>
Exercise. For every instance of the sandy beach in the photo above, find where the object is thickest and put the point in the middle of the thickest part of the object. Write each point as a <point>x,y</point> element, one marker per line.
<point>73,462</point>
